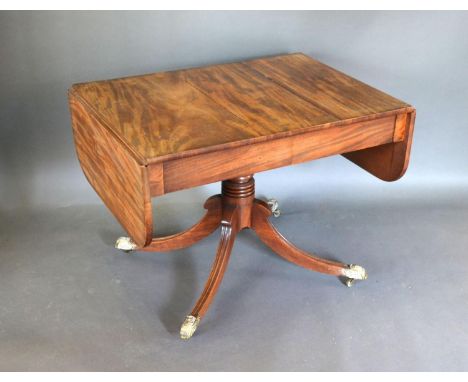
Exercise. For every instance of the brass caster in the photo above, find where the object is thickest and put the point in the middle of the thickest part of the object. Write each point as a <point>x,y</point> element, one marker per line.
<point>188,327</point>
<point>125,244</point>
<point>352,273</point>
<point>274,207</point>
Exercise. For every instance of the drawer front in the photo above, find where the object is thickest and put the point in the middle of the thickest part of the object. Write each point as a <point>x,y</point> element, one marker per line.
<point>220,165</point>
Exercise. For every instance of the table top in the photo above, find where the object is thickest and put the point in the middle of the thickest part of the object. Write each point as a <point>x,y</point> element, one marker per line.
<point>170,115</point>
<point>146,136</point>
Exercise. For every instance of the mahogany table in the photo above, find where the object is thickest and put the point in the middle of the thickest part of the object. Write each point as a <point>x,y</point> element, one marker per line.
<point>145,136</point>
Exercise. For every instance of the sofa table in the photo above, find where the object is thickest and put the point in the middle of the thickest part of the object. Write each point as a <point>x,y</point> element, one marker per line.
<point>145,136</point>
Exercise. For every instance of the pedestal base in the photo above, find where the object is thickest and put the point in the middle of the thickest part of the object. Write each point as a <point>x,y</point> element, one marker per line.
<point>235,209</point>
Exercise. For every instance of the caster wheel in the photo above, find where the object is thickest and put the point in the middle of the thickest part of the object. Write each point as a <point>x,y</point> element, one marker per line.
<point>352,273</point>
<point>274,207</point>
<point>125,244</point>
<point>189,327</point>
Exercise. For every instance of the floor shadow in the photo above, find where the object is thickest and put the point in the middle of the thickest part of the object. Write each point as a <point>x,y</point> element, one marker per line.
<point>255,241</point>
<point>185,286</point>
<point>182,292</point>
<point>109,236</point>
<point>172,214</point>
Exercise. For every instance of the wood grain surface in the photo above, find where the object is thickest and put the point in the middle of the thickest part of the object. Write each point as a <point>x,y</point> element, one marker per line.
<point>267,107</point>
<point>148,135</point>
<point>196,126</point>
<point>288,251</point>
<point>254,158</point>
<point>114,174</point>
<point>170,115</point>
<point>161,114</point>
<point>332,91</point>
<point>241,210</point>
<point>194,234</point>
<point>390,161</point>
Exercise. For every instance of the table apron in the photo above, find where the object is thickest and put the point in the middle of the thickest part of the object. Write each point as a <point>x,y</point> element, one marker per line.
<point>216,166</point>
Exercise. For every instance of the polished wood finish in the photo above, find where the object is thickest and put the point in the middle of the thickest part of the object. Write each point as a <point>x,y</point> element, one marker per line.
<point>281,246</point>
<point>266,107</point>
<point>268,113</point>
<point>187,112</point>
<point>389,161</point>
<point>197,232</point>
<point>160,115</point>
<point>229,229</point>
<point>237,196</point>
<point>153,134</point>
<point>115,175</point>
<point>240,210</point>
<point>330,90</point>
<point>216,166</point>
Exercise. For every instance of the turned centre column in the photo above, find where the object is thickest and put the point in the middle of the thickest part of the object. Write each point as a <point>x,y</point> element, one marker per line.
<point>239,193</point>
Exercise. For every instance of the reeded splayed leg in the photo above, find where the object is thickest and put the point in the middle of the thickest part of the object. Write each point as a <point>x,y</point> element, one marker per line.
<point>273,239</point>
<point>237,201</point>
<point>197,232</point>
<point>228,234</point>
<point>235,209</point>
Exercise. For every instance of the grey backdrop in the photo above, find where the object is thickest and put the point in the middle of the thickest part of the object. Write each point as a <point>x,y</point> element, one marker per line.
<point>420,57</point>
<point>69,302</point>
